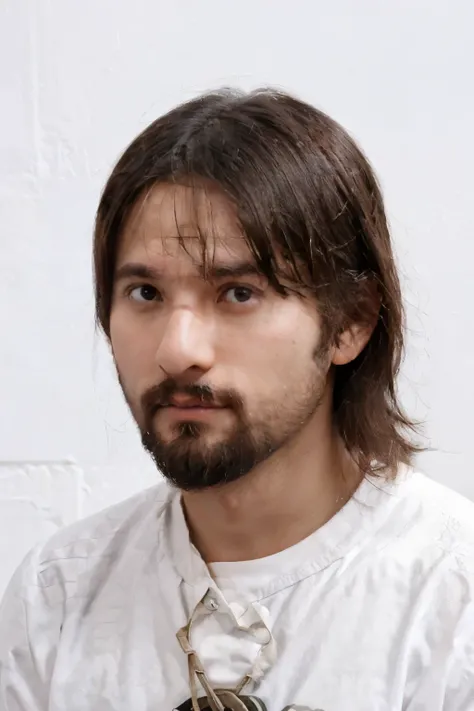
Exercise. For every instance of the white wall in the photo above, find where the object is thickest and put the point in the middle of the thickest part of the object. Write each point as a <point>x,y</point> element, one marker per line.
<point>80,79</point>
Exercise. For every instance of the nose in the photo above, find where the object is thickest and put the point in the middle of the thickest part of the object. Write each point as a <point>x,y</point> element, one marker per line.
<point>185,345</point>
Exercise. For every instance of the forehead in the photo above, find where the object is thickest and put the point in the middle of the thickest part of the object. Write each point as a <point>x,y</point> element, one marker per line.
<point>174,222</point>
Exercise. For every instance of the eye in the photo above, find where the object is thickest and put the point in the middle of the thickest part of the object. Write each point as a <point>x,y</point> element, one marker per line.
<point>145,292</point>
<point>238,295</point>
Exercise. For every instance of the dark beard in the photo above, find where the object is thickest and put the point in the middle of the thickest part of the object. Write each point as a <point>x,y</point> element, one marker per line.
<point>190,466</point>
<point>186,461</point>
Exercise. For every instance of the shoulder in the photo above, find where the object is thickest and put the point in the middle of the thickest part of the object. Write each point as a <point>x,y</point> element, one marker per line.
<point>433,527</point>
<point>111,526</point>
<point>73,565</point>
<point>443,511</point>
<point>435,554</point>
<point>59,567</point>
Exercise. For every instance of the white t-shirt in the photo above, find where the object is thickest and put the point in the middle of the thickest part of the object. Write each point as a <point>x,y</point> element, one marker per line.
<point>372,612</point>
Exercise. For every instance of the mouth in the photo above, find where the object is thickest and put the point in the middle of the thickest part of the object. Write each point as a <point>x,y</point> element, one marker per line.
<point>182,407</point>
<point>185,402</point>
<point>187,413</point>
<point>191,407</point>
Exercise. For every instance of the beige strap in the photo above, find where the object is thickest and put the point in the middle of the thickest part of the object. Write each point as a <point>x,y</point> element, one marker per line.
<point>196,672</point>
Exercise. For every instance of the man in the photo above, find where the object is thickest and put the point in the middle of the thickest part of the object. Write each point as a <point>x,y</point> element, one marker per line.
<point>294,560</point>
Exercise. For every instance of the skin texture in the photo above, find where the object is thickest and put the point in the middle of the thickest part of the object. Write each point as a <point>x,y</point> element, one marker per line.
<point>229,382</point>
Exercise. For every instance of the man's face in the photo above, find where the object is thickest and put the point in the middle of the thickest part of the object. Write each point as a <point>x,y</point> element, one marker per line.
<point>218,369</point>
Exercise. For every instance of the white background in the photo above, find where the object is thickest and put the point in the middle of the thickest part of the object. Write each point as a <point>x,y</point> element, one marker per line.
<point>79,79</point>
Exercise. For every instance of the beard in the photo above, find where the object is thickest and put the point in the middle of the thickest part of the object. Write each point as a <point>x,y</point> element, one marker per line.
<point>193,459</point>
<point>192,464</point>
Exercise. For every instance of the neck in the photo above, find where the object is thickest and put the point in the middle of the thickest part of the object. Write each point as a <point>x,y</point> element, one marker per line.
<point>276,505</point>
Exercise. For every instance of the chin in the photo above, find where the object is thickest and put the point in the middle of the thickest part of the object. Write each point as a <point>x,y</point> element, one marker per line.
<point>196,432</point>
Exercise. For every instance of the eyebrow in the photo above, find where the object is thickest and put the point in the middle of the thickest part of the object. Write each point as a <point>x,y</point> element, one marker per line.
<point>135,270</point>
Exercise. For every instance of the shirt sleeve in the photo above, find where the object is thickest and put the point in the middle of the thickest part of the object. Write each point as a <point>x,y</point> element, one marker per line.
<point>447,681</point>
<point>29,634</point>
<point>459,694</point>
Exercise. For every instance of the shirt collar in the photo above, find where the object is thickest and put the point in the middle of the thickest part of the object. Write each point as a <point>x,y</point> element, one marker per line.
<point>344,533</point>
<point>185,558</point>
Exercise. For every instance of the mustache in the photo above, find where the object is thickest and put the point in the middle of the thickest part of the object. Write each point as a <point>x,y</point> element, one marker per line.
<point>161,395</point>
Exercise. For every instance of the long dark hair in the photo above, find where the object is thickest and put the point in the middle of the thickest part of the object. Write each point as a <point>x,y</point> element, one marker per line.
<point>306,197</point>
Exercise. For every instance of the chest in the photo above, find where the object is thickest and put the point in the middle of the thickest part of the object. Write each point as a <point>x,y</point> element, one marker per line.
<point>339,648</point>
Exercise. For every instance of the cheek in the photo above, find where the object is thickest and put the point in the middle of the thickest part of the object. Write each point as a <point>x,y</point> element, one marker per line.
<point>132,353</point>
<point>292,335</point>
<point>287,361</point>
<point>276,355</point>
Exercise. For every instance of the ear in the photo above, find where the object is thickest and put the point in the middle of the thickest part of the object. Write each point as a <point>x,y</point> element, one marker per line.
<point>353,338</point>
<point>351,342</point>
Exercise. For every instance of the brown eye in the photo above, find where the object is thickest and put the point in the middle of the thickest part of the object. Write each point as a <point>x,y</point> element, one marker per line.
<point>238,295</point>
<point>146,292</point>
